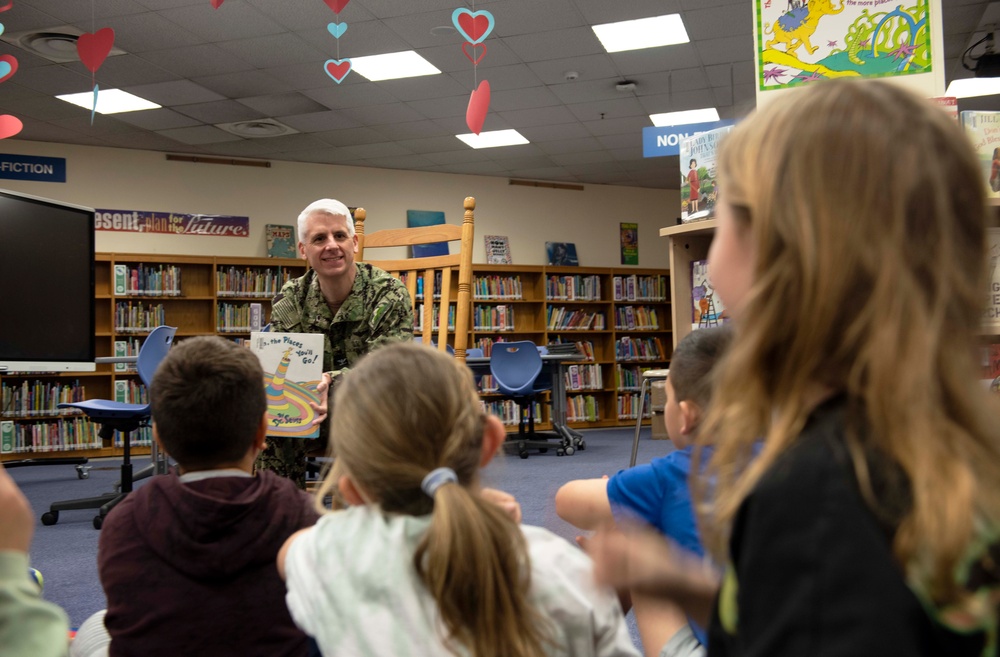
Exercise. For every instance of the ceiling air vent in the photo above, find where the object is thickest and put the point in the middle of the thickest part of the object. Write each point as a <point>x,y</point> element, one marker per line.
<point>257,129</point>
<point>57,44</point>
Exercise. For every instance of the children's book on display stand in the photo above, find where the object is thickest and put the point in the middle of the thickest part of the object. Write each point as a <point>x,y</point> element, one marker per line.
<point>697,162</point>
<point>293,368</point>
<point>706,306</point>
<point>497,250</point>
<point>983,128</point>
<point>280,241</point>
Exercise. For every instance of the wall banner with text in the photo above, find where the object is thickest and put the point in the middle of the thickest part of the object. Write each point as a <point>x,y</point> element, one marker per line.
<point>137,221</point>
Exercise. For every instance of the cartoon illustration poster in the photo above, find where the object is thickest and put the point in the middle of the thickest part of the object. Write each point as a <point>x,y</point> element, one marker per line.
<point>801,41</point>
<point>630,243</point>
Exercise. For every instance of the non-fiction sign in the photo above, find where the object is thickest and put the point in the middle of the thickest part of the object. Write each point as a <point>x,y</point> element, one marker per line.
<point>137,221</point>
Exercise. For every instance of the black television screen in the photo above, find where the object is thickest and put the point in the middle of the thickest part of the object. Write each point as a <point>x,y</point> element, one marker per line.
<point>46,285</point>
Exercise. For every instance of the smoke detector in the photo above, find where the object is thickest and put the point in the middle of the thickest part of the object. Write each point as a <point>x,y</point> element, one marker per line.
<point>257,129</point>
<point>625,86</point>
<point>56,44</point>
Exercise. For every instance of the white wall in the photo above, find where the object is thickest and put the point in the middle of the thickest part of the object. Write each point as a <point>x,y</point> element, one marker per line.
<point>124,179</point>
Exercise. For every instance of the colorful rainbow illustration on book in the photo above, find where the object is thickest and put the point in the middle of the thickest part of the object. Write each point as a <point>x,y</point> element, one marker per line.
<point>288,411</point>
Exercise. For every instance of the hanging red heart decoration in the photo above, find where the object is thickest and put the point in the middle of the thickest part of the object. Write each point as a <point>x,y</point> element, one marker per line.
<point>9,126</point>
<point>217,3</point>
<point>7,6</point>
<point>8,67</point>
<point>474,26</point>
<point>479,105</point>
<point>336,5</point>
<point>94,48</point>
<point>337,69</point>
<point>470,53</point>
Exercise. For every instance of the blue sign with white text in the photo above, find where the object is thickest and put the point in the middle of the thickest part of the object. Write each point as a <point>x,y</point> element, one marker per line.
<point>30,167</point>
<point>659,142</point>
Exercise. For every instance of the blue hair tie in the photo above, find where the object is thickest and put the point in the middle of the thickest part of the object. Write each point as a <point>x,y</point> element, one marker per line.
<point>437,478</point>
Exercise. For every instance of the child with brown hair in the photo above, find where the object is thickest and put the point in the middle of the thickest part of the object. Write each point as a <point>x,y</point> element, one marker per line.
<point>420,562</point>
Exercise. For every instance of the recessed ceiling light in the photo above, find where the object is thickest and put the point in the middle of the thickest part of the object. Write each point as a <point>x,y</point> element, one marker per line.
<point>443,30</point>
<point>109,101</point>
<point>407,64</point>
<point>972,87</point>
<point>704,115</point>
<point>642,33</point>
<point>493,139</point>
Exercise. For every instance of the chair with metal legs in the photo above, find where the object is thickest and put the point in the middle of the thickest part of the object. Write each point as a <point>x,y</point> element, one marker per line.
<point>118,416</point>
<point>647,382</point>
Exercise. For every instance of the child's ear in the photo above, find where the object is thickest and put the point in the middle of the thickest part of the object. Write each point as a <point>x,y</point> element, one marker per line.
<point>494,436</point>
<point>690,416</point>
<point>260,437</point>
<point>349,491</point>
<point>156,437</point>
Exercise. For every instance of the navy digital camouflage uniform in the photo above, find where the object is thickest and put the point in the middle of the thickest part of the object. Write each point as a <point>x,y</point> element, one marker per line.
<point>376,312</point>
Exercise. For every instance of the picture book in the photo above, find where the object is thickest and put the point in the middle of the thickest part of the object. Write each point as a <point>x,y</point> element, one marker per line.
<point>698,187</point>
<point>629,235</point>
<point>983,128</point>
<point>293,368</point>
<point>280,241</point>
<point>562,253</point>
<point>706,307</point>
<point>497,250</point>
<point>991,314</point>
<point>991,366</point>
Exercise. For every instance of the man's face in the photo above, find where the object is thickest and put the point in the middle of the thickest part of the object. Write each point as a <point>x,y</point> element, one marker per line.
<point>327,245</point>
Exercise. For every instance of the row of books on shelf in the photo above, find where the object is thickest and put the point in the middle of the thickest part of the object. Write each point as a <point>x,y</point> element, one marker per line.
<point>492,318</point>
<point>585,347</point>
<point>640,288</point>
<point>629,377</point>
<point>579,408</point>
<point>583,377</point>
<point>143,280</point>
<point>507,410</point>
<point>573,288</point>
<point>238,317</point>
<point>125,349</point>
<point>128,391</point>
<point>251,281</point>
<point>497,287</point>
<point>641,318</point>
<point>628,407</point>
<point>582,408</point>
<point>560,318</point>
<point>134,317</point>
<point>631,349</point>
<point>38,398</point>
<point>53,436</point>
<point>418,317</point>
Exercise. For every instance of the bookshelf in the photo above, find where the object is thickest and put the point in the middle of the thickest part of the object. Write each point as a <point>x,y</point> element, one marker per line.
<point>201,295</point>
<point>685,243</point>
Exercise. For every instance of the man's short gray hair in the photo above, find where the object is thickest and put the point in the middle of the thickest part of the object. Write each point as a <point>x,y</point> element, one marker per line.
<point>326,206</point>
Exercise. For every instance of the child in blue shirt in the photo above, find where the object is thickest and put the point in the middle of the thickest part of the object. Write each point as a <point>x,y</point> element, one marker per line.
<point>657,493</point>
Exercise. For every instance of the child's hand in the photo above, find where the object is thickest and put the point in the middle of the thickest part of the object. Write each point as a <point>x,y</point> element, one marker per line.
<point>507,502</point>
<point>16,522</point>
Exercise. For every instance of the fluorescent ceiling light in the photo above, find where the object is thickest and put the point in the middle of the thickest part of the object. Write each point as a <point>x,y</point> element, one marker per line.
<point>493,139</point>
<point>971,87</point>
<point>704,115</point>
<point>109,101</point>
<point>393,65</point>
<point>642,33</point>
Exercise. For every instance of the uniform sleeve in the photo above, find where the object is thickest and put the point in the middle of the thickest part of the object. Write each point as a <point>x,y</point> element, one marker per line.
<point>286,312</point>
<point>29,626</point>
<point>391,320</point>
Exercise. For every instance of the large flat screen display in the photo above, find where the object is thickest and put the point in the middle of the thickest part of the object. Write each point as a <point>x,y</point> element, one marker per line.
<point>46,285</point>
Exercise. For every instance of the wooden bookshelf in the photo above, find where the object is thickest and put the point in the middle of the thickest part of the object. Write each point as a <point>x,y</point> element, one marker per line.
<point>685,243</point>
<point>204,287</point>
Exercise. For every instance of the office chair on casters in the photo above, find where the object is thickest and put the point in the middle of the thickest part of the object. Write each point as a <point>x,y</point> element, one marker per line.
<point>118,416</point>
<point>516,368</point>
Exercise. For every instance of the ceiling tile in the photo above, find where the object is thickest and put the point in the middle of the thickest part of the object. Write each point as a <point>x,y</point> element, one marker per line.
<point>238,20</point>
<point>319,121</point>
<point>202,60</point>
<point>220,111</point>
<point>411,130</point>
<point>545,133</point>
<point>380,114</point>
<point>522,99</point>
<point>538,116</point>
<point>243,84</point>
<point>204,134</point>
<point>581,145</point>
<point>273,50</point>
<point>176,92</point>
<point>282,104</point>
<point>571,42</point>
<point>158,119</point>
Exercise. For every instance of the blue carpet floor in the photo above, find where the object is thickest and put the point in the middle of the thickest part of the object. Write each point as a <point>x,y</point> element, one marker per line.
<point>66,553</point>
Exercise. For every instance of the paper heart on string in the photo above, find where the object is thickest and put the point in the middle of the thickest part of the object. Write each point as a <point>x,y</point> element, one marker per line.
<point>217,3</point>
<point>9,126</point>
<point>7,6</point>
<point>94,48</point>
<point>479,105</point>
<point>473,25</point>
<point>336,5</point>
<point>94,108</point>
<point>8,67</point>
<point>470,53</point>
<point>2,28</point>
<point>337,69</point>
<point>337,29</point>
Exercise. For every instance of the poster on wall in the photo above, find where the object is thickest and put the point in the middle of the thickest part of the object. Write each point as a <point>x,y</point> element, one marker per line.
<point>801,41</point>
<point>142,221</point>
<point>630,243</point>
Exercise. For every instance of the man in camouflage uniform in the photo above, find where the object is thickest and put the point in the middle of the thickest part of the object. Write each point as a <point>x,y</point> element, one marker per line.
<point>357,308</point>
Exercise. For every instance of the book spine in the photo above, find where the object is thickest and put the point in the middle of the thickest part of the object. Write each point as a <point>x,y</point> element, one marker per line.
<point>121,278</point>
<point>6,437</point>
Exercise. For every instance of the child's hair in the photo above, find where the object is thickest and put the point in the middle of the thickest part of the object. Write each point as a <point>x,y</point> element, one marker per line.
<point>693,360</point>
<point>207,400</point>
<point>868,285</point>
<point>402,412</point>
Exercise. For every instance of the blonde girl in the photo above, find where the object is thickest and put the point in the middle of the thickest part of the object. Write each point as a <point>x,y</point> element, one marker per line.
<point>420,563</point>
<point>866,523</point>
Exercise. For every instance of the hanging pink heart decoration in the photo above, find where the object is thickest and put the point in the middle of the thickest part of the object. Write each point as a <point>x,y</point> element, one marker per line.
<point>94,48</point>
<point>217,3</point>
<point>336,6</point>
<point>337,69</point>
<point>479,105</point>
<point>10,126</point>
<point>473,25</point>
<point>470,53</point>
<point>8,67</point>
<point>7,6</point>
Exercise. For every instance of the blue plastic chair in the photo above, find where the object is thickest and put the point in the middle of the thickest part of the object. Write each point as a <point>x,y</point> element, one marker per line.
<point>118,416</point>
<point>450,349</point>
<point>517,372</point>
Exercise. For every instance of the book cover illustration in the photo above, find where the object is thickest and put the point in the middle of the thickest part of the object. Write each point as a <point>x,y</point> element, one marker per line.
<point>497,250</point>
<point>293,368</point>
<point>983,128</point>
<point>562,253</point>
<point>630,243</point>
<point>802,41</point>
<point>698,185</point>
<point>280,241</point>
<point>706,307</point>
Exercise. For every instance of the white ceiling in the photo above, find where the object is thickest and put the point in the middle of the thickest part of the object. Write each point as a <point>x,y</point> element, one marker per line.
<point>263,59</point>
